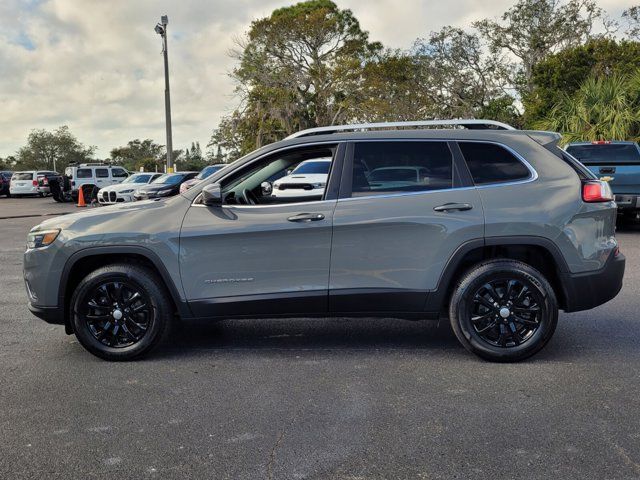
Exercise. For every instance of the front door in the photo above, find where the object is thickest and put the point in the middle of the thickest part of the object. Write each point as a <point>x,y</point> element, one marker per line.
<point>406,209</point>
<point>260,253</point>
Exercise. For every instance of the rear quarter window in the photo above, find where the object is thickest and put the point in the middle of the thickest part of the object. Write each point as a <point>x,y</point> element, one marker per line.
<point>490,163</point>
<point>84,173</point>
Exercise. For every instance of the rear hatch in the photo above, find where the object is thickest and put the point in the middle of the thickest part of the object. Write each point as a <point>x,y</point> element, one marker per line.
<point>620,161</point>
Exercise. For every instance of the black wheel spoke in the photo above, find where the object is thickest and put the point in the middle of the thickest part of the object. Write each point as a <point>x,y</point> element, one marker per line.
<point>506,312</point>
<point>117,313</point>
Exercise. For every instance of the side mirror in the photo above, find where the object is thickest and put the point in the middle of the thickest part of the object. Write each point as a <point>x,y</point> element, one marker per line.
<point>212,195</point>
<point>267,189</point>
<point>289,171</point>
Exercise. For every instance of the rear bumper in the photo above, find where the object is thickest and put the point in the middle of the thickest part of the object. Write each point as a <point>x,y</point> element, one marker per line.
<point>52,315</point>
<point>627,202</point>
<point>584,291</point>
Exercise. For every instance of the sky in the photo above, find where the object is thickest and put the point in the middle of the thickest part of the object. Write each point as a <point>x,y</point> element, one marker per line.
<point>96,65</point>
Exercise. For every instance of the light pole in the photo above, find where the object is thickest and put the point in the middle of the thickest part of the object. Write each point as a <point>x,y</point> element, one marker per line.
<point>161,29</point>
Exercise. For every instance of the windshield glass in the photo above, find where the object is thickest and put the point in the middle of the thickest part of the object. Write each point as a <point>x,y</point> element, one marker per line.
<point>605,154</point>
<point>137,179</point>
<point>22,176</point>
<point>312,167</point>
<point>168,179</point>
<point>208,171</point>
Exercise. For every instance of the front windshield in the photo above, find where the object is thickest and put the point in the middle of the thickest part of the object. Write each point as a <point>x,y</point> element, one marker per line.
<point>168,179</point>
<point>137,179</point>
<point>312,167</point>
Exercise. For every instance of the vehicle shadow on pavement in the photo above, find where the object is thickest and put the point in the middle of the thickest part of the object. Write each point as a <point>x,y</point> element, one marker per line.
<point>193,337</point>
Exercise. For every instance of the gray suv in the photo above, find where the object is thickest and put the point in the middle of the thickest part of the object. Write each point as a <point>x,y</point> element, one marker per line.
<point>493,227</point>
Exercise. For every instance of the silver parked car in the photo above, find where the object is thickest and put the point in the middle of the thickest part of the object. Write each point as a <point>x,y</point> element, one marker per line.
<point>493,227</point>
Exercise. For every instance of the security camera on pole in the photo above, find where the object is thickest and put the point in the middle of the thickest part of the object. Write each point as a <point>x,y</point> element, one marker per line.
<point>161,29</point>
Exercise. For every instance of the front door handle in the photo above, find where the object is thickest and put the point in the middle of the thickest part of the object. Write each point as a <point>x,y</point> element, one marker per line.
<point>449,207</point>
<point>605,170</point>
<point>306,217</point>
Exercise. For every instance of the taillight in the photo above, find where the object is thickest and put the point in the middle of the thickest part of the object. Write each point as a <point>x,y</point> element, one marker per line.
<point>35,183</point>
<point>594,191</point>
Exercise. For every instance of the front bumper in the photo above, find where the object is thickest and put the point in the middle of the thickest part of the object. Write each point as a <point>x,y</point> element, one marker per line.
<point>52,315</point>
<point>584,291</point>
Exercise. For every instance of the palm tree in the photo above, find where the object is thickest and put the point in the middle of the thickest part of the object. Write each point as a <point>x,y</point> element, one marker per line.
<point>604,108</point>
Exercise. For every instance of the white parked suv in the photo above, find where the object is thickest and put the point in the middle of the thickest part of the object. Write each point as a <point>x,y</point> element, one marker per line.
<point>90,175</point>
<point>308,179</point>
<point>30,182</point>
<point>123,192</point>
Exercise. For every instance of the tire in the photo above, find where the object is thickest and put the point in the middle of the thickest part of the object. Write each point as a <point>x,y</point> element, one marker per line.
<point>136,333</point>
<point>523,321</point>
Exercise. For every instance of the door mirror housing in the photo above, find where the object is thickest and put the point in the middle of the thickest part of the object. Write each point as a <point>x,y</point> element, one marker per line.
<point>212,195</point>
<point>266,188</point>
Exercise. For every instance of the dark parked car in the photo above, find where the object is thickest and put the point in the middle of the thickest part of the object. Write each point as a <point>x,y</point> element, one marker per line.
<point>206,172</point>
<point>618,163</point>
<point>165,186</point>
<point>5,180</point>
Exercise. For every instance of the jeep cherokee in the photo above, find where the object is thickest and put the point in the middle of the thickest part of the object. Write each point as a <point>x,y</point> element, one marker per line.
<point>498,231</point>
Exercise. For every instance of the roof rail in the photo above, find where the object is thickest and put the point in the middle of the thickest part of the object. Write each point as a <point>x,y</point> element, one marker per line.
<point>470,124</point>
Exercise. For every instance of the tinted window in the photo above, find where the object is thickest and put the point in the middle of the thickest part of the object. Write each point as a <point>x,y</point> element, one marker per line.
<point>396,167</point>
<point>599,154</point>
<point>490,163</point>
<point>102,173</point>
<point>138,179</point>
<point>22,176</point>
<point>118,173</point>
<point>84,173</point>
<point>312,167</point>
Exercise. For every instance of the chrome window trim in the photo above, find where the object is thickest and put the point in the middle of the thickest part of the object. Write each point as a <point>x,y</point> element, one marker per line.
<point>266,154</point>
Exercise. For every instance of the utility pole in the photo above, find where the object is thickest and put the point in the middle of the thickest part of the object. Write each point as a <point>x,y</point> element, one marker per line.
<point>161,29</point>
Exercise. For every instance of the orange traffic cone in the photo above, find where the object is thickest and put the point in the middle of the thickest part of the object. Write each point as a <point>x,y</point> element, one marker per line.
<point>81,198</point>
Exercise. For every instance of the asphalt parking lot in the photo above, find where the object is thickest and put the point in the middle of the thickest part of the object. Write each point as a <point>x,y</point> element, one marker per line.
<point>336,399</point>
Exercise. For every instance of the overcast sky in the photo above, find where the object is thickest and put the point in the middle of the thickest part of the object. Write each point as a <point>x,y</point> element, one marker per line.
<point>96,65</point>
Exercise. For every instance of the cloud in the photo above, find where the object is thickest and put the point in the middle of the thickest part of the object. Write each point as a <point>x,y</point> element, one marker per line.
<point>96,65</point>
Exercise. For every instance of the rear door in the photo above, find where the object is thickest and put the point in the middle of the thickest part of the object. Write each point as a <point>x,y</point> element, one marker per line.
<point>394,232</point>
<point>620,162</point>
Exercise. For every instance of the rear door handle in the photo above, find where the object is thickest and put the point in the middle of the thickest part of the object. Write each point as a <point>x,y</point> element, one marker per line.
<point>306,217</point>
<point>449,207</point>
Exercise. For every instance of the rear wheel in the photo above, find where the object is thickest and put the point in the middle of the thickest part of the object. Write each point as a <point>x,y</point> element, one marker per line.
<point>120,312</point>
<point>503,310</point>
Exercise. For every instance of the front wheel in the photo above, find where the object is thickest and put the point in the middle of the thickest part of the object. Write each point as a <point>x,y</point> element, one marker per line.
<point>120,312</point>
<point>503,311</point>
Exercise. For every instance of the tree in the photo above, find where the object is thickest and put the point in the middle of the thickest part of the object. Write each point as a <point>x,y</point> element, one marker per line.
<point>562,74</point>
<point>603,108</point>
<point>298,68</point>
<point>140,154</point>
<point>632,17</point>
<point>52,150</point>
<point>532,30</point>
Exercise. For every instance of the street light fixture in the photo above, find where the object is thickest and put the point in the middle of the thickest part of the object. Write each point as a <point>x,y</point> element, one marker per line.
<point>161,29</point>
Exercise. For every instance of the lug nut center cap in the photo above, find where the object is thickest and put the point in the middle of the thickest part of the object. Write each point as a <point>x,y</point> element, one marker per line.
<point>117,314</point>
<point>504,312</point>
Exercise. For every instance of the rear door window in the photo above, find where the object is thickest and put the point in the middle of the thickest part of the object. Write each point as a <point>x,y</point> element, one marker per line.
<point>395,167</point>
<point>606,154</point>
<point>490,163</point>
<point>102,173</point>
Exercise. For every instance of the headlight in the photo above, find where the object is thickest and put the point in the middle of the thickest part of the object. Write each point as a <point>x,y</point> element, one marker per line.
<point>319,184</point>
<point>42,238</point>
<point>126,191</point>
<point>164,192</point>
